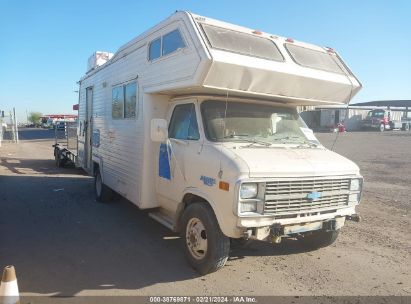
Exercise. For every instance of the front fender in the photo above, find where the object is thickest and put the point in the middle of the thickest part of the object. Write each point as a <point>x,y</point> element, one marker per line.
<point>226,219</point>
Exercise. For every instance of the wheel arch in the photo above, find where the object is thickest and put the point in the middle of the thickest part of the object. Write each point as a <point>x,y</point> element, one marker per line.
<point>192,196</point>
<point>98,165</point>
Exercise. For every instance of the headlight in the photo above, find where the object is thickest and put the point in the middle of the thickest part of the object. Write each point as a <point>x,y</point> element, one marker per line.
<point>354,198</point>
<point>248,206</point>
<point>355,184</point>
<point>248,190</point>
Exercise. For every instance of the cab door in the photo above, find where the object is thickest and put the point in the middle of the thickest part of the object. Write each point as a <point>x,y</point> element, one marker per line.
<point>177,153</point>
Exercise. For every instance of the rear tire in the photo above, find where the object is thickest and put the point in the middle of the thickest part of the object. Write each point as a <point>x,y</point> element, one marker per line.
<point>56,158</point>
<point>406,127</point>
<point>318,239</point>
<point>205,246</point>
<point>102,192</point>
<point>59,161</point>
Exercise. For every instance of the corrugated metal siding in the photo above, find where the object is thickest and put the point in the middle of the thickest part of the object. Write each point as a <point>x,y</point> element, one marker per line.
<point>121,140</point>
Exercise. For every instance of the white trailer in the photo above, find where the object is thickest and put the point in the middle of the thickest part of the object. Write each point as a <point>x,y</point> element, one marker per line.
<point>196,120</point>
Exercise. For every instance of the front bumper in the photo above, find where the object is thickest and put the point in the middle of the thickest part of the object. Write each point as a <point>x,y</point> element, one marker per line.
<point>249,222</point>
<point>266,228</point>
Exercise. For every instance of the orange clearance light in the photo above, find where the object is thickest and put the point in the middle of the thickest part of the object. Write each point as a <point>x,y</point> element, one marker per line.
<point>330,50</point>
<point>224,186</point>
<point>257,32</point>
<point>289,40</point>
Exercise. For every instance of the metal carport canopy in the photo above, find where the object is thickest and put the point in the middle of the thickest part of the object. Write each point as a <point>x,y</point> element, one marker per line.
<point>385,103</point>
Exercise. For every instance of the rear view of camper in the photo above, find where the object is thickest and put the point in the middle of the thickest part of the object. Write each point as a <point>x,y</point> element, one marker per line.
<point>196,120</point>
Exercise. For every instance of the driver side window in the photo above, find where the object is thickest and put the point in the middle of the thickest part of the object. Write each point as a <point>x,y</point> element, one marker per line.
<point>183,124</point>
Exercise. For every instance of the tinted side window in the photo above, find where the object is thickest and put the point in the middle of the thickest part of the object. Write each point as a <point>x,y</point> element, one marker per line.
<point>117,102</point>
<point>130,100</point>
<point>242,43</point>
<point>155,49</point>
<point>183,124</point>
<point>172,42</point>
<point>314,59</point>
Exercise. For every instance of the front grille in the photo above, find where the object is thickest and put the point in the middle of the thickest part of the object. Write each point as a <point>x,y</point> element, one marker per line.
<point>289,197</point>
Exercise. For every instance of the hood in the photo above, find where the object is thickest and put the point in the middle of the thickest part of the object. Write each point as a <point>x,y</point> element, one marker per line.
<point>288,162</point>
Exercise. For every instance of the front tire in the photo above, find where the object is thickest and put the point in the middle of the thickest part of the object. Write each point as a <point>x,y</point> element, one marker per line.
<point>382,127</point>
<point>319,239</point>
<point>205,246</point>
<point>102,193</point>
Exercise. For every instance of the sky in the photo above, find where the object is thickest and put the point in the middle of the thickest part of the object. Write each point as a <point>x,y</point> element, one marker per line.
<point>44,45</point>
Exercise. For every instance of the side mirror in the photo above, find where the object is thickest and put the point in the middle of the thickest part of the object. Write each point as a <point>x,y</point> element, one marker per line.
<point>158,131</point>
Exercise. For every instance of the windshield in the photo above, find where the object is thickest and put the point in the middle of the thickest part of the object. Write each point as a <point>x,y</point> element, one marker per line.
<point>256,123</point>
<point>377,113</point>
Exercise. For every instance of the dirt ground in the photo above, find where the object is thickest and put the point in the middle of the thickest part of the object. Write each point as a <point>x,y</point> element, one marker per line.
<point>63,243</point>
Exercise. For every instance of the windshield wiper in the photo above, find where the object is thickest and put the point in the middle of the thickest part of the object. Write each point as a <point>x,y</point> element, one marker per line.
<point>286,137</point>
<point>309,144</point>
<point>236,135</point>
<point>301,142</point>
<point>252,141</point>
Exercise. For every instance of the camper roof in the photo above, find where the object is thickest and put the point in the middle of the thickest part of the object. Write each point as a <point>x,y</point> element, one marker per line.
<point>243,62</point>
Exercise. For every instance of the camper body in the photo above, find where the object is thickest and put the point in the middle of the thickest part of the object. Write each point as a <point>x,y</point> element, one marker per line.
<point>196,120</point>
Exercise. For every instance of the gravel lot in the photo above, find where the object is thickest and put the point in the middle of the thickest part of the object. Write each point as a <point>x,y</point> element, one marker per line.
<point>64,243</point>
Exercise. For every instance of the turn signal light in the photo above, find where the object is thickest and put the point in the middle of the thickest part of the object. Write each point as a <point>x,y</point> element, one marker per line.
<point>224,186</point>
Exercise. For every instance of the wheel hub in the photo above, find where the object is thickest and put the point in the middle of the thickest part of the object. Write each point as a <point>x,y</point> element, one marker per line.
<point>196,238</point>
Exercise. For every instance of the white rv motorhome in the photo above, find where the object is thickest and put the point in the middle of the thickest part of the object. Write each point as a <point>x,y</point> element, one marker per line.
<point>196,120</point>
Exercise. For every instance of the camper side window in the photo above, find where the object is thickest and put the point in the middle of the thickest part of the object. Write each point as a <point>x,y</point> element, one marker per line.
<point>124,101</point>
<point>165,45</point>
<point>154,49</point>
<point>172,42</point>
<point>118,102</point>
<point>130,100</point>
<point>183,124</point>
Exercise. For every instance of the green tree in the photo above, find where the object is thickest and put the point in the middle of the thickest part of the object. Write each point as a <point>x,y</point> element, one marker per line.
<point>34,117</point>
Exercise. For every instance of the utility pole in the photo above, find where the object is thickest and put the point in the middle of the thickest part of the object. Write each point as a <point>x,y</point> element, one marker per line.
<point>12,127</point>
<point>15,126</point>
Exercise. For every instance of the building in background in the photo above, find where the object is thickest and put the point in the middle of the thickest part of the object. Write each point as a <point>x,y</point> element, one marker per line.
<point>48,121</point>
<point>328,117</point>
